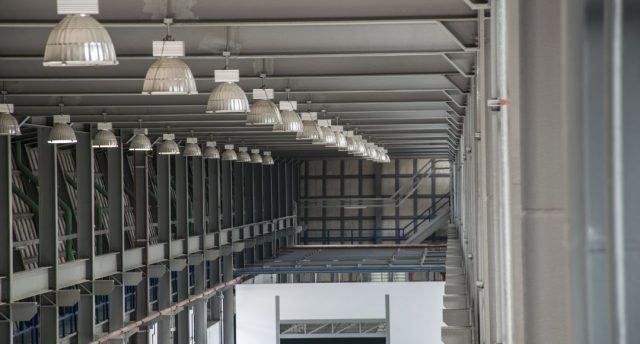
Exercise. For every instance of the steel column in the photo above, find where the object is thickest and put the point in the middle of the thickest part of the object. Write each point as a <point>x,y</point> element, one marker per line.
<point>6,236</point>
<point>226,190</point>
<point>213,179</point>
<point>228,320</point>
<point>200,308</point>
<point>48,205</point>
<point>163,187</point>
<point>248,193</point>
<point>182,229</point>
<point>238,193</point>
<point>141,186</point>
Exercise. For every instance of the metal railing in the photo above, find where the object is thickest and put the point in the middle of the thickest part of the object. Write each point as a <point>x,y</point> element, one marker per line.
<point>427,215</point>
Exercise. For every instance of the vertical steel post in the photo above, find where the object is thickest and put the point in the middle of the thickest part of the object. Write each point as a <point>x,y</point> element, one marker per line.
<point>86,236</point>
<point>238,193</point>
<point>229,298</point>
<point>226,191</point>
<point>182,229</point>
<point>115,185</point>
<point>163,187</point>
<point>6,236</point>
<point>200,308</point>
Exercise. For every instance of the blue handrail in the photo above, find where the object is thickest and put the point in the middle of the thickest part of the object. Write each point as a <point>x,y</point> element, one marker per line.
<point>427,215</point>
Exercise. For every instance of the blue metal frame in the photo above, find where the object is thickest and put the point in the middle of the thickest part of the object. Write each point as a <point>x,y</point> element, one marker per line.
<point>28,331</point>
<point>174,286</point>
<point>102,308</point>
<point>129,298</point>
<point>68,320</point>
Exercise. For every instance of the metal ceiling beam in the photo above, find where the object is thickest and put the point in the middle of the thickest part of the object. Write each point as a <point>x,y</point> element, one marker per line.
<point>242,77</point>
<point>269,56</point>
<point>259,23</point>
<point>206,93</point>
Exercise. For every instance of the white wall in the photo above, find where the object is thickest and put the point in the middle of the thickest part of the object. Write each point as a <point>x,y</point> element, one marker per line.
<point>415,308</point>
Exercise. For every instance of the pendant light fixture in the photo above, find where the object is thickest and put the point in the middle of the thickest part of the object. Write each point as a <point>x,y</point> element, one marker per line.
<point>263,111</point>
<point>310,128</point>
<point>329,138</point>
<point>291,122</point>
<point>191,148</point>
<point>229,154</point>
<point>341,140</point>
<point>243,155</point>
<point>211,152</point>
<point>9,125</point>
<point>267,159</point>
<point>140,141</point>
<point>169,75</point>
<point>352,144</point>
<point>168,145</point>
<point>62,132</point>
<point>227,97</point>
<point>79,40</point>
<point>104,137</point>
<point>255,156</point>
<point>361,150</point>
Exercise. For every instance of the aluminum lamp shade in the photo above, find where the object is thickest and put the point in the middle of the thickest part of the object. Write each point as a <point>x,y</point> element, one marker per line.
<point>341,142</point>
<point>229,154</point>
<point>264,112</point>
<point>291,122</point>
<point>191,148</point>
<point>267,159</point>
<point>329,138</point>
<point>227,97</point>
<point>169,76</point>
<point>79,40</point>
<point>352,145</point>
<point>243,155</point>
<point>140,142</point>
<point>105,139</point>
<point>211,152</point>
<point>310,131</point>
<point>61,131</point>
<point>255,156</point>
<point>168,145</point>
<point>9,125</point>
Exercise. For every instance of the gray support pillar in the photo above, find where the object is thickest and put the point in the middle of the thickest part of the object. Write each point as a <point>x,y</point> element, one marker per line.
<point>115,187</point>
<point>182,319</point>
<point>141,185</point>
<point>200,308</point>
<point>229,299</point>
<point>377,189</point>
<point>213,178</point>
<point>6,236</point>
<point>163,188</point>
<point>258,204</point>
<point>86,318</point>
<point>282,189</point>
<point>86,236</point>
<point>249,193</point>
<point>182,228</point>
<point>238,194</point>
<point>226,190</point>
<point>266,193</point>
<point>85,191</point>
<point>182,199</point>
<point>116,308</point>
<point>275,190</point>
<point>48,230</point>
<point>288,188</point>
<point>164,301</point>
<point>48,205</point>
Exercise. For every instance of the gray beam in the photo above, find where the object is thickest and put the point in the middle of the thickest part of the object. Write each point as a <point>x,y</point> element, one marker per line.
<point>86,198</point>
<point>261,23</point>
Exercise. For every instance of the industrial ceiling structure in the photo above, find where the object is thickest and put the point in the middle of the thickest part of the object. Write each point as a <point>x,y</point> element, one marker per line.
<point>397,75</point>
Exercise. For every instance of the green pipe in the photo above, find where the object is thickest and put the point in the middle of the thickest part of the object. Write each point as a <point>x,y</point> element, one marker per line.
<point>68,214</point>
<point>26,199</point>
